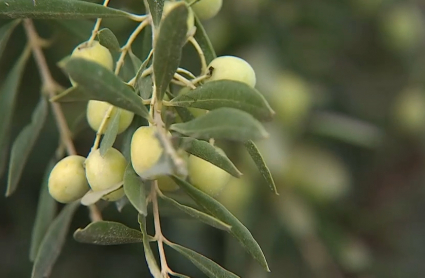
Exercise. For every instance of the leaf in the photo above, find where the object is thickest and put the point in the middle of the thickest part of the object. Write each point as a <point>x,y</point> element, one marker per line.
<point>99,83</point>
<point>239,231</point>
<point>53,241</point>
<point>150,258</point>
<point>46,211</point>
<point>226,93</point>
<point>207,266</point>
<point>108,233</point>
<point>80,28</point>
<point>56,9</point>
<point>137,63</point>
<point>168,47</point>
<point>201,216</point>
<point>209,153</point>
<point>8,94</point>
<point>92,197</point>
<point>5,33</point>
<point>156,7</point>
<point>261,165</point>
<point>184,114</point>
<point>110,132</point>
<point>23,145</point>
<point>144,83</point>
<point>108,40</point>
<point>223,123</point>
<point>134,189</point>
<point>204,42</point>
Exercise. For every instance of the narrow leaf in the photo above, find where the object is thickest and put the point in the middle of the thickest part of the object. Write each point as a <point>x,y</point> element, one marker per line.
<point>99,83</point>
<point>201,216</point>
<point>137,63</point>
<point>184,114</point>
<point>5,33</point>
<point>226,93</point>
<point>261,165</point>
<point>239,231</point>
<point>23,145</point>
<point>134,189</point>
<point>53,241</point>
<point>8,94</point>
<point>223,123</point>
<point>168,47</point>
<point>80,28</point>
<point>207,266</point>
<point>209,153</point>
<point>108,40</point>
<point>150,258</point>
<point>156,7</point>
<point>92,197</point>
<point>204,42</point>
<point>110,132</point>
<point>56,9</point>
<point>46,211</point>
<point>108,233</point>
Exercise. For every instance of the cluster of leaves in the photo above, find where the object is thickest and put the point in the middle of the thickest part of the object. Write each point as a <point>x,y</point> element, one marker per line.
<point>235,114</point>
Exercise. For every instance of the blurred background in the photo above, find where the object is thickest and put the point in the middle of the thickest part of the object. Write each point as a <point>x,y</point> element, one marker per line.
<point>347,147</point>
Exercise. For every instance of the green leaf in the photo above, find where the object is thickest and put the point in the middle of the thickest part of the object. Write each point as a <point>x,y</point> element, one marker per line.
<point>80,28</point>
<point>108,233</point>
<point>5,33</point>
<point>150,258</point>
<point>56,9</point>
<point>201,216</point>
<point>184,114</point>
<point>204,42</point>
<point>223,123</point>
<point>134,189</point>
<point>46,211</point>
<point>207,266</point>
<point>209,153</point>
<point>110,132</point>
<point>92,197</point>
<point>226,93</point>
<point>108,40</point>
<point>168,47</point>
<point>8,94</point>
<point>261,165</point>
<point>144,83</point>
<point>53,241</point>
<point>156,7</point>
<point>239,231</point>
<point>137,63</point>
<point>99,83</point>
<point>23,145</point>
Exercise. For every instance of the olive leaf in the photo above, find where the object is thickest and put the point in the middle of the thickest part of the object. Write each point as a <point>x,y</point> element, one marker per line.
<point>150,258</point>
<point>135,191</point>
<point>108,40</point>
<point>92,197</point>
<point>5,33</point>
<point>156,7</point>
<point>108,233</point>
<point>110,132</point>
<point>79,28</point>
<point>204,42</point>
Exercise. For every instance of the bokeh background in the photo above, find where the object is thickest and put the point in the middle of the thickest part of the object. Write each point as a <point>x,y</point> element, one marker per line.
<point>347,146</point>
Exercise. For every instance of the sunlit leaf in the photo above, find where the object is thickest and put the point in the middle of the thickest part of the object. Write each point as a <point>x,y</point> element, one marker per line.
<point>238,230</point>
<point>80,28</point>
<point>223,123</point>
<point>261,165</point>
<point>99,83</point>
<point>156,7</point>
<point>207,266</point>
<point>23,145</point>
<point>150,258</point>
<point>108,233</point>
<point>226,93</point>
<point>46,211</point>
<point>110,132</point>
<point>204,42</point>
<point>168,47</point>
<point>134,189</point>
<point>108,39</point>
<point>5,33</point>
<point>53,241</point>
<point>56,9</point>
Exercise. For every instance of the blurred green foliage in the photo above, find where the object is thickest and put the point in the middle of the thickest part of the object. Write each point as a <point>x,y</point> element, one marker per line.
<point>347,147</point>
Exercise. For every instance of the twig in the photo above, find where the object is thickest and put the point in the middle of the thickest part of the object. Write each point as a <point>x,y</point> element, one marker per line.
<point>201,55</point>
<point>96,26</point>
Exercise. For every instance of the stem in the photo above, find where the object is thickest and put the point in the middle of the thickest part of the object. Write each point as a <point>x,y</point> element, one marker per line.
<point>201,55</point>
<point>102,127</point>
<point>50,86</point>
<point>97,26</point>
<point>184,81</point>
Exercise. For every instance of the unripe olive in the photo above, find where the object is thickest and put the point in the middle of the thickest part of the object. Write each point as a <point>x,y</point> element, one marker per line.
<point>206,9</point>
<point>96,110</point>
<point>105,172</point>
<point>206,176</point>
<point>409,111</point>
<point>145,149</point>
<point>166,183</point>
<point>168,6</point>
<point>114,195</point>
<point>95,53</point>
<point>67,180</point>
<point>231,68</point>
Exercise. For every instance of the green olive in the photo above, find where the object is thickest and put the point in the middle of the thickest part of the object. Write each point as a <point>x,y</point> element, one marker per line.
<point>231,68</point>
<point>96,110</point>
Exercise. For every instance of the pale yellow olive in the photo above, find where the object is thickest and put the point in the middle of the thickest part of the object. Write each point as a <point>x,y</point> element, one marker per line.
<point>145,149</point>
<point>168,6</point>
<point>166,183</point>
<point>409,111</point>
<point>107,171</point>
<point>206,9</point>
<point>95,53</point>
<point>114,195</point>
<point>96,110</point>
<point>231,68</point>
<point>67,180</point>
<point>206,176</point>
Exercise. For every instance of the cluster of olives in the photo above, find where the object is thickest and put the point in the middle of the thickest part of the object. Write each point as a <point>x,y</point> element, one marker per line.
<point>74,176</point>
